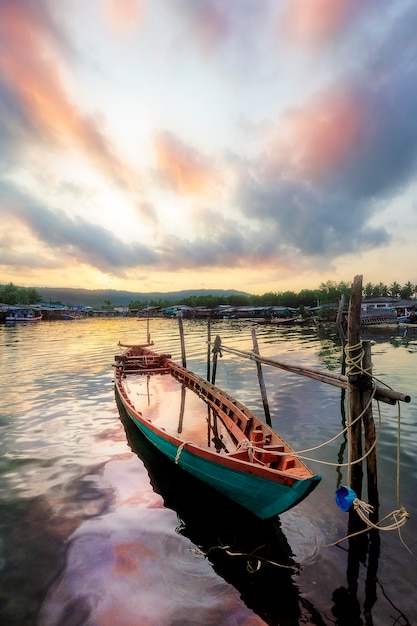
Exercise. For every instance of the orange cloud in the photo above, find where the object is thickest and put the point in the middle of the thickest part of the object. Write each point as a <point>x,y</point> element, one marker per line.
<point>314,21</point>
<point>122,16</point>
<point>182,167</point>
<point>314,141</point>
<point>30,63</point>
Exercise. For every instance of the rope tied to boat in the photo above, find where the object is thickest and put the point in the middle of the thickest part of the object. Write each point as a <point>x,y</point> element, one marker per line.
<point>179,450</point>
<point>245,444</point>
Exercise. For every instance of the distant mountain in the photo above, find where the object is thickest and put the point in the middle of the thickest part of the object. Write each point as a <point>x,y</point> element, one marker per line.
<point>96,297</point>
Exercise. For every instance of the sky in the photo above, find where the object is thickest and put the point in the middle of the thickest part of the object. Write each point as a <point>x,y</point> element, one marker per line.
<point>159,145</point>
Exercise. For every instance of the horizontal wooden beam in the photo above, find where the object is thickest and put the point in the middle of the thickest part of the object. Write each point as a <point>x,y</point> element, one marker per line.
<point>383,394</point>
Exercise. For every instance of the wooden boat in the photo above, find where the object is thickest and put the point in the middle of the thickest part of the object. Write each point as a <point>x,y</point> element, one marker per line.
<point>276,321</point>
<point>210,434</point>
<point>23,316</point>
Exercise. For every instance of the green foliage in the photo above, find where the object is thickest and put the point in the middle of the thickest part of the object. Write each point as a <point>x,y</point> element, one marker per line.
<point>407,291</point>
<point>380,291</point>
<point>267,299</point>
<point>394,290</point>
<point>368,290</point>
<point>13,295</point>
<point>329,292</point>
<point>136,304</point>
<point>332,292</point>
<point>307,297</point>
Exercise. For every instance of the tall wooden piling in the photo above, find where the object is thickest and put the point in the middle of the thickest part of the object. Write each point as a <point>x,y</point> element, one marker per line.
<point>216,352</point>
<point>354,349</point>
<point>208,346</point>
<point>261,380</point>
<point>148,334</point>
<point>360,388</point>
<point>369,433</point>
<point>357,543</point>
<point>183,355</point>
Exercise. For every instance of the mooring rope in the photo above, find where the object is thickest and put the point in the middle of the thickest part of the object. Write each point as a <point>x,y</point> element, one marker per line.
<point>245,444</point>
<point>254,562</point>
<point>300,453</point>
<point>363,509</point>
<point>400,517</point>
<point>251,446</point>
<point>179,450</point>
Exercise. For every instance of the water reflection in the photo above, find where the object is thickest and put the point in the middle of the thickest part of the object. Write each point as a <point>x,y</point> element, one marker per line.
<point>59,458</point>
<point>249,553</point>
<point>34,545</point>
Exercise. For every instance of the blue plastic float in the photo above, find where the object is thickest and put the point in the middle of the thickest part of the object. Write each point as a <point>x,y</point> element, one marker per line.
<point>345,497</point>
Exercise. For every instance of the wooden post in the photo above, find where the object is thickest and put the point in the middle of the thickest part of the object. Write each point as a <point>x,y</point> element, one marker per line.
<point>369,432</point>
<point>208,346</point>
<point>184,360</point>
<point>360,396</point>
<point>261,380</point>
<point>148,334</point>
<point>182,407</point>
<point>372,481</point>
<point>358,543</point>
<point>360,388</point>
<point>216,352</point>
<point>354,380</point>
<point>339,322</point>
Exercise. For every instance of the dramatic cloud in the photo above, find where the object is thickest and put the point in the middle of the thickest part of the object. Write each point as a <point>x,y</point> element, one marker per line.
<point>89,243</point>
<point>33,85</point>
<point>333,162</point>
<point>186,171</point>
<point>309,222</point>
<point>313,142</point>
<point>188,135</point>
<point>312,23</point>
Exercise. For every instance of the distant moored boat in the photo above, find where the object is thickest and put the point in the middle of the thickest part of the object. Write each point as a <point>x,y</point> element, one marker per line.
<point>22,315</point>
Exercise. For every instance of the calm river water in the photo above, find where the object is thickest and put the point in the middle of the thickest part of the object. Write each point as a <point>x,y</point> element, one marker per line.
<point>97,529</point>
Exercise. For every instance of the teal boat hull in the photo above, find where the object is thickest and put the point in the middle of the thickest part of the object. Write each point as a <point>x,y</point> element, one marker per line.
<point>257,494</point>
<point>210,434</point>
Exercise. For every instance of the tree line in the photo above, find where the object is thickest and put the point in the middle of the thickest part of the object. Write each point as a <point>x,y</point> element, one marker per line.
<point>327,293</point>
<point>14,295</point>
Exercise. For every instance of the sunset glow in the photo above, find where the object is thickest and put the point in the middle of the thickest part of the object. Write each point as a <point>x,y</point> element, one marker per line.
<point>154,146</point>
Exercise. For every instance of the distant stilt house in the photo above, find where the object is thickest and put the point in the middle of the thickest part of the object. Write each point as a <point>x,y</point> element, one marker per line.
<point>388,309</point>
<point>177,310</point>
<point>121,310</point>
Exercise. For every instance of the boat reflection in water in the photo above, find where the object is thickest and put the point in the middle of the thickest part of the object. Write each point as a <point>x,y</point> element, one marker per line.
<point>251,554</point>
<point>210,433</point>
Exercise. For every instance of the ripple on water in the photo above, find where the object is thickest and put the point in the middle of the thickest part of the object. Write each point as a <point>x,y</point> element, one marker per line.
<point>77,506</point>
<point>117,558</point>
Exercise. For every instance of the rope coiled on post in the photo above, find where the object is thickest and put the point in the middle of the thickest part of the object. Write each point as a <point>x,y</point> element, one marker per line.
<point>363,509</point>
